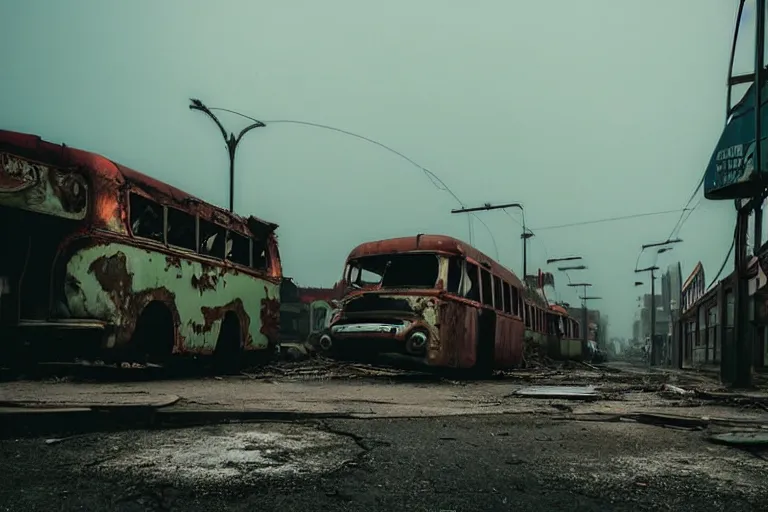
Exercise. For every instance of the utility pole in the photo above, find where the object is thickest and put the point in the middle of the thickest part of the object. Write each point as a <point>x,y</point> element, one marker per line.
<point>566,269</point>
<point>653,309</point>
<point>584,312</point>
<point>524,236</point>
<point>663,247</point>
<point>231,142</point>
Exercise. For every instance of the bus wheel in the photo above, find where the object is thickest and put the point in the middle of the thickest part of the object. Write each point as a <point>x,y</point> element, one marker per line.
<point>155,334</point>
<point>228,353</point>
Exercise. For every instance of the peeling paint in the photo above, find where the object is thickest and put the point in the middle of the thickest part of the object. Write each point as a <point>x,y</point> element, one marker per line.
<point>116,281</point>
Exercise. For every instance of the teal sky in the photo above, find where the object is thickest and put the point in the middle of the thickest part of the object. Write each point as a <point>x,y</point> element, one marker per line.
<point>579,110</point>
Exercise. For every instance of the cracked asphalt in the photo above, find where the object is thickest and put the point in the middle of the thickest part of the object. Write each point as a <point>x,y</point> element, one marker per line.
<point>461,463</point>
<point>410,445</point>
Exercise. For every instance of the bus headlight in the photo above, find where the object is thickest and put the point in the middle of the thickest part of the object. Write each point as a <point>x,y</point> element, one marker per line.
<point>417,343</point>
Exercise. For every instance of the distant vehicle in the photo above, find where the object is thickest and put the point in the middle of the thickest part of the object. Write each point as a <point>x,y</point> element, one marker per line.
<point>102,261</point>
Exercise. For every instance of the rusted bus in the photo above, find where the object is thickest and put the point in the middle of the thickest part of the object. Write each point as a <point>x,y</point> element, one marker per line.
<point>563,335</point>
<point>138,247</point>
<point>434,298</point>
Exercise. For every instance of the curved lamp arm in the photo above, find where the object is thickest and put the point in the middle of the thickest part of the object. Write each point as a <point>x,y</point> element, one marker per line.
<point>257,124</point>
<point>198,105</point>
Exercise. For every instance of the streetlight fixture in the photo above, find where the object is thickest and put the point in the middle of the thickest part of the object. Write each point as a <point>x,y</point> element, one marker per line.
<point>568,258</point>
<point>661,244</point>
<point>575,267</point>
<point>231,141</point>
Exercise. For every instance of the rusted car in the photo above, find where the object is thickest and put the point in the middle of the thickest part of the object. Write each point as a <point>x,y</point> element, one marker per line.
<point>100,260</point>
<point>432,298</point>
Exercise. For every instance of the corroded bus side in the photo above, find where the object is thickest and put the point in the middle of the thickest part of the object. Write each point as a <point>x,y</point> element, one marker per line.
<point>114,282</point>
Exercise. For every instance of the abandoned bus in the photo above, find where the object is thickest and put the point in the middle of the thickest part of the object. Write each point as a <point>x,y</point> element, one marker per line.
<point>99,260</point>
<point>433,298</point>
<point>551,330</point>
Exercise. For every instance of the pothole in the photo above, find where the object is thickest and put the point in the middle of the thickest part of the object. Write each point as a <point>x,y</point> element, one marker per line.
<point>231,454</point>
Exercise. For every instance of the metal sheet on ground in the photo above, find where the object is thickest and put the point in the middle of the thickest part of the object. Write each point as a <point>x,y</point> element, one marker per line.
<point>741,438</point>
<point>566,392</point>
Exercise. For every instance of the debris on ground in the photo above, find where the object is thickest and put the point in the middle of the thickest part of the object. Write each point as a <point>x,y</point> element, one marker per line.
<point>669,388</point>
<point>742,438</point>
<point>564,392</point>
<point>322,368</point>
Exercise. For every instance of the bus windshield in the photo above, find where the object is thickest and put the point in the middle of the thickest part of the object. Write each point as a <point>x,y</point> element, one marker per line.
<point>395,270</point>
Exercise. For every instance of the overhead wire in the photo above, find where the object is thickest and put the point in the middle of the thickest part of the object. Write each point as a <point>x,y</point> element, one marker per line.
<point>725,261</point>
<point>608,219</point>
<point>436,181</point>
<point>683,218</point>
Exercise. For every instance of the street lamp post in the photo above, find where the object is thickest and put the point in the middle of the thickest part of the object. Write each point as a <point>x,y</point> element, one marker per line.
<point>584,313</point>
<point>653,305</point>
<point>663,247</point>
<point>231,141</point>
<point>526,234</point>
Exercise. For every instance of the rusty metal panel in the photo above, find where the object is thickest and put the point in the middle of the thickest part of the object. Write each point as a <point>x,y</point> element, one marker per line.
<point>455,346</point>
<point>508,349</point>
<point>36,187</point>
<point>115,281</point>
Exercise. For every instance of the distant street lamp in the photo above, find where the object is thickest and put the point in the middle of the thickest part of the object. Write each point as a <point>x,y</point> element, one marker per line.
<point>584,314</point>
<point>231,142</point>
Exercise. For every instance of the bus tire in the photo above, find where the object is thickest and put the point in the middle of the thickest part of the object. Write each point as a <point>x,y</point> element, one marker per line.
<point>155,334</point>
<point>228,353</point>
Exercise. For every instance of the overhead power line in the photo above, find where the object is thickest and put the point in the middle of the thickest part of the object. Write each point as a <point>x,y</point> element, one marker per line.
<point>683,217</point>
<point>725,261</point>
<point>437,182</point>
<point>611,219</point>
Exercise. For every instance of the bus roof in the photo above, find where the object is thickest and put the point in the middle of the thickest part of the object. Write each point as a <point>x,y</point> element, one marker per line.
<point>433,243</point>
<point>34,147</point>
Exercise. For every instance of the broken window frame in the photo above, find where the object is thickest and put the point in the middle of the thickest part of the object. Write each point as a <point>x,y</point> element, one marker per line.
<point>230,235</point>
<point>219,229</point>
<point>372,264</point>
<point>515,300</point>
<point>506,291</point>
<point>166,225</point>
<point>498,297</point>
<point>134,195</point>
<point>472,271</point>
<point>256,244</point>
<point>486,287</point>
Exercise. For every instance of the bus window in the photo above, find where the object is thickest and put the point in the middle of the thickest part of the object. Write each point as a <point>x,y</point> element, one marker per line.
<point>507,297</point>
<point>474,285</point>
<point>456,275</point>
<point>528,316</point>
<point>487,297</point>
<point>181,229</point>
<point>146,218</point>
<point>238,248</point>
<point>211,239</point>
<point>497,297</point>
<point>515,301</point>
<point>260,254</point>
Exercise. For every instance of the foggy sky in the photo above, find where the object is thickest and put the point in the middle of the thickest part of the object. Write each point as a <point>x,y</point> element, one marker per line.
<point>579,110</point>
